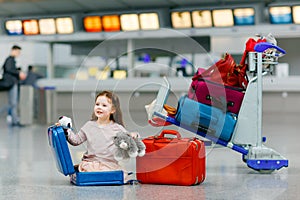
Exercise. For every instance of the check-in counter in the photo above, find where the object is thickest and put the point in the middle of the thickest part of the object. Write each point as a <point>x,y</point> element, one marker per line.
<point>75,98</point>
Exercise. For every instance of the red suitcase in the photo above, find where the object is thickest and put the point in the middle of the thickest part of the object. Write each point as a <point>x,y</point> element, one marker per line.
<point>172,160</point>
<point>210,93</point>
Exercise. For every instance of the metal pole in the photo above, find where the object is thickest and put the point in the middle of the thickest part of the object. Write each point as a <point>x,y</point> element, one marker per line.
<point>259,99</point>
<point>50,94</point>
<point>130,55</point>
<point>50,65</point>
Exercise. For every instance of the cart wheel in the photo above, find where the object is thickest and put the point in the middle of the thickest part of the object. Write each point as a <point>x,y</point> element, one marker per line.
<point>133,182</point>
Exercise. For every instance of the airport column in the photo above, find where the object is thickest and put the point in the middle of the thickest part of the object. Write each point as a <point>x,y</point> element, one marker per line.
<point>130,54</point>
<point>26,102</point>
<point>50,65</point>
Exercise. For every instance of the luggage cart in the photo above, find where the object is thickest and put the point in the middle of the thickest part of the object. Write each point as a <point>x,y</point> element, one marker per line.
<point>247,137</point>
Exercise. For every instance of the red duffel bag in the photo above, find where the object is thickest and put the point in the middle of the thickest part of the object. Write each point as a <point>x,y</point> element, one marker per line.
<point>226,72</point>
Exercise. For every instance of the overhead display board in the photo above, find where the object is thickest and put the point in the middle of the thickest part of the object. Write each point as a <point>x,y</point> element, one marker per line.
<point>14,27</point>
<point>47,26</point>
<point>64,25</point>
<point>129,22</point>
<point>43,26</point>
<point>152,20</point>
<point>92,23</point>
<point>244,16</point>
<point>111,23</point>
<point>181,19</point>
<point>149,21</point>
<point>280,15</point>
<point>201,18</point>
<point>223,18</point>
<point>30,27</point>
<point>296,14</point>
<point>123,22</point>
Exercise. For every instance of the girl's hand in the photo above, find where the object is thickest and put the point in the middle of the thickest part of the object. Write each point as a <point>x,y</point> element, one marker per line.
<point>65,130</point>
<point>22,76</point>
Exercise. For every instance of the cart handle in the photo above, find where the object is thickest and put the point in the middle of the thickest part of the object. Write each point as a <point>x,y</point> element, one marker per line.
<point>262,46</point>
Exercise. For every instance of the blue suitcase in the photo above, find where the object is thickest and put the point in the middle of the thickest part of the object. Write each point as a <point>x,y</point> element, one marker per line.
<point>194,114</point>
<point>64,164</point>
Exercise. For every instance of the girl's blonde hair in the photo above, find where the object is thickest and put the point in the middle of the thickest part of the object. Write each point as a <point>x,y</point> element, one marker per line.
<point>117,115</point>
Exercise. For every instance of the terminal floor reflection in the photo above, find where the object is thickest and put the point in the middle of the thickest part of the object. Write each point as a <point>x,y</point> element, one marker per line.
<point>28,170</point>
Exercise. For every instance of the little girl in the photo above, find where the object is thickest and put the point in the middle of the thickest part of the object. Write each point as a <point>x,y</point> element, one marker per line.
<point>99,133</point>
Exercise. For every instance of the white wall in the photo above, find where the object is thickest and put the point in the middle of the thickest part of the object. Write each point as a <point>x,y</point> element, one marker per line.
<point>223,44</point>
<point>37,53</point>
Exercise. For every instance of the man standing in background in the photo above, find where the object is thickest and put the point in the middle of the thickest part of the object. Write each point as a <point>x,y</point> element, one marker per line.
<point>10,67</point>
<point>31,77</point>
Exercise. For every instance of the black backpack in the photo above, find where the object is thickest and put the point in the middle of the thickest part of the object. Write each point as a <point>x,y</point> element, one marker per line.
<point>6,80</point>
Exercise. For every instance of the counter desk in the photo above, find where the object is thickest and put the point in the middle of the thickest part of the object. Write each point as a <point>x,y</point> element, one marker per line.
<point>75,98</point>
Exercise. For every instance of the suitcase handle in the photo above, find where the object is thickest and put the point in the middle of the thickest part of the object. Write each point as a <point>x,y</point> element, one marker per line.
<point>170,132</point>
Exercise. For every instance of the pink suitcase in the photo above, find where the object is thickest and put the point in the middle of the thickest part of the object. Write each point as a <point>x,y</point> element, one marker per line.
<point>221,96</point>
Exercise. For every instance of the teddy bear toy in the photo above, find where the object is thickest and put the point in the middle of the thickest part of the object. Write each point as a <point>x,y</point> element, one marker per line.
<point>128,147</point>
<point>65,122</point>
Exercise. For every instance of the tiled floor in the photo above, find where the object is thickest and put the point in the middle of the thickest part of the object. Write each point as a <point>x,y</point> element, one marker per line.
<point>28,170</point>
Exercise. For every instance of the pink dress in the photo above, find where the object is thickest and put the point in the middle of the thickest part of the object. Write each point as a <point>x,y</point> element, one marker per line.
<point>100,147</point>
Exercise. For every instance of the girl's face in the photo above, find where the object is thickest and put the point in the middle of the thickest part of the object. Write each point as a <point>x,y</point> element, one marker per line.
<point>103,108</point>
